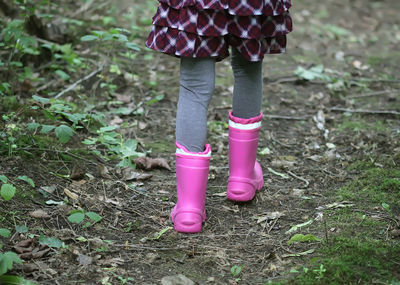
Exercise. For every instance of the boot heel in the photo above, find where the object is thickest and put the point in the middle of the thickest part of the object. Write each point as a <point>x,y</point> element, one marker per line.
<point>240,189</point>
<point>188,221</point>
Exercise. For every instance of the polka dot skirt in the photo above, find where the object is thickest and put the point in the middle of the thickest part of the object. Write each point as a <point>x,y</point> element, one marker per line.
<point>206,28</point>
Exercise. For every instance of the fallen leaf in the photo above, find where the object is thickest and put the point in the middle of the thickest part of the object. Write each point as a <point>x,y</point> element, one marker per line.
<point>103,171</point>
<point>48,189</point>
<point>298,254</point>
<point>77,173</point>
<point>177,279</point>
<point>298,192</point>
<point>71,195</point>
<point>150,163</point>
<point>284,176</point>
<point>316,158</point>
<point>283,164</point>
<point>113,261</point>
<point>31,249</point>
<point>298,226</point>
<point>303,238</point>
<point>269,216</point>
<point>40,253</point>
<point>142,125</point>
<point>336,205</point>
<point>85,260</point>
<point>130,174</point>
<point>39,214</point>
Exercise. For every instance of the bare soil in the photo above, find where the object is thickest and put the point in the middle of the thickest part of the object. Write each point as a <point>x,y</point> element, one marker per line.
<point>304,166</point>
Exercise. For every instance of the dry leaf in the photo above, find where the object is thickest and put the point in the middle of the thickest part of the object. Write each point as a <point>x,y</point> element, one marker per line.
<point>84,260</point>
<point>40,253</point>
<point>39,214</point>
<point>283,164</point>
<point>25,243</point>
<point>142,125</point>
<point>221,194</point>
<point>48,189</point>
<point>113,261</point>
<point>30,248</point>
<point>130,174</point>
<point>71,195</point>
<point>150,163</point>
<point>77,173</point>
<point>103,171</point>
<point>269,216</point>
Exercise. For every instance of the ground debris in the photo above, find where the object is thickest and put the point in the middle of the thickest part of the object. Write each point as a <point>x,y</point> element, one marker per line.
<point>31,249</point>
<point>176,280</point>
<point>150,163</point>
<point>39,214</point>
<point>130,174</point>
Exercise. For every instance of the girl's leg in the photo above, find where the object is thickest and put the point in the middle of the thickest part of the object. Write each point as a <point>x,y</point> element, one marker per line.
<point>197,81</point>
<point>247,92</point>
<point>245,173</point>
<point>192,155</point>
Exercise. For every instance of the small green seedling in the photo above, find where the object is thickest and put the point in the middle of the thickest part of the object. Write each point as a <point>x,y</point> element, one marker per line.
<point>77,217</point>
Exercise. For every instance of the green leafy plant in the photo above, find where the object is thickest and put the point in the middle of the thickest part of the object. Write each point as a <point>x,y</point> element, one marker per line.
<point>7,261</point>
<point>303,238</point>
<point>7,190</point>
<point>78,216</point>
<point>236,270</point>
<point>51,242</point>
<point>387,208</point>
<point>124,150</point>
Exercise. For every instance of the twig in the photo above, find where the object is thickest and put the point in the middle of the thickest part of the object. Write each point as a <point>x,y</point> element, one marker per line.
<point>285,117</point>
<point>378,80</point>
<point>378,112</point>
<point>300,178</point>
<point>272,226</point>
<point>72,86</point>
<point>45,86</point>
<point>283,79</point>
<point>58,151</point>
<point>82,9</point>
<point>376,93</point>
<point>139,247</point>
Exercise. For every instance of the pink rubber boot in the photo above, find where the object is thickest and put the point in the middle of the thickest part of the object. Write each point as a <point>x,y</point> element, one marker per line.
<point>191,180</point>
<point>245,173</point>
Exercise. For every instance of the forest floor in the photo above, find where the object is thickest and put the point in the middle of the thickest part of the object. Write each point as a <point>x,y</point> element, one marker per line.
<point>329,147</point>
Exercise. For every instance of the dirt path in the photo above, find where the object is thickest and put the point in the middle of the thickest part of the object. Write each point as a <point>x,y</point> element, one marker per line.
<point>310,151</point>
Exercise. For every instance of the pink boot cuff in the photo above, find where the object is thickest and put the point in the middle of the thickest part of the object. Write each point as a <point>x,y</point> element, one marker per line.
<point>183,152</point>
<point>245,121</point>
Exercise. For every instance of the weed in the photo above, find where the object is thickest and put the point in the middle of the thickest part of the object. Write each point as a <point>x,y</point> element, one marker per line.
<point>77,217</point>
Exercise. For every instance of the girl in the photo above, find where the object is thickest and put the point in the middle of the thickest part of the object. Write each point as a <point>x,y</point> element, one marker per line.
<point>200,32</point>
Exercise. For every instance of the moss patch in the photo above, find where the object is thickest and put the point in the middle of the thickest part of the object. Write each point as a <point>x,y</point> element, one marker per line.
<point>376,185</point>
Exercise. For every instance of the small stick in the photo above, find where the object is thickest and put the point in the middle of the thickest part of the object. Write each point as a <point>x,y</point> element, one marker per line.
<point>285,117</point>
<point>373,94</point>
<point>383,112</point>
<point>72,86</point>
<point>300,178</point>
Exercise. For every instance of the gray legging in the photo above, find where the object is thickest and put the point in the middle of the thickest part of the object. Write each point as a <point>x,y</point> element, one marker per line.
<point>197,82</point>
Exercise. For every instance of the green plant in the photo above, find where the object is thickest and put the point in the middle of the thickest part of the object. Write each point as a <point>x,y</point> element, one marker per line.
<point>7,190</point>
<point>236,271</point>
<point>387,208</point>
<point>320,271</point>
<point>124,150</point>
<point>7,261</point>
<point>78,216</point>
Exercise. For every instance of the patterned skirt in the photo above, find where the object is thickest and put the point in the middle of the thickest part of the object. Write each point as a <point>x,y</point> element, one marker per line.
<point>206,28</point>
